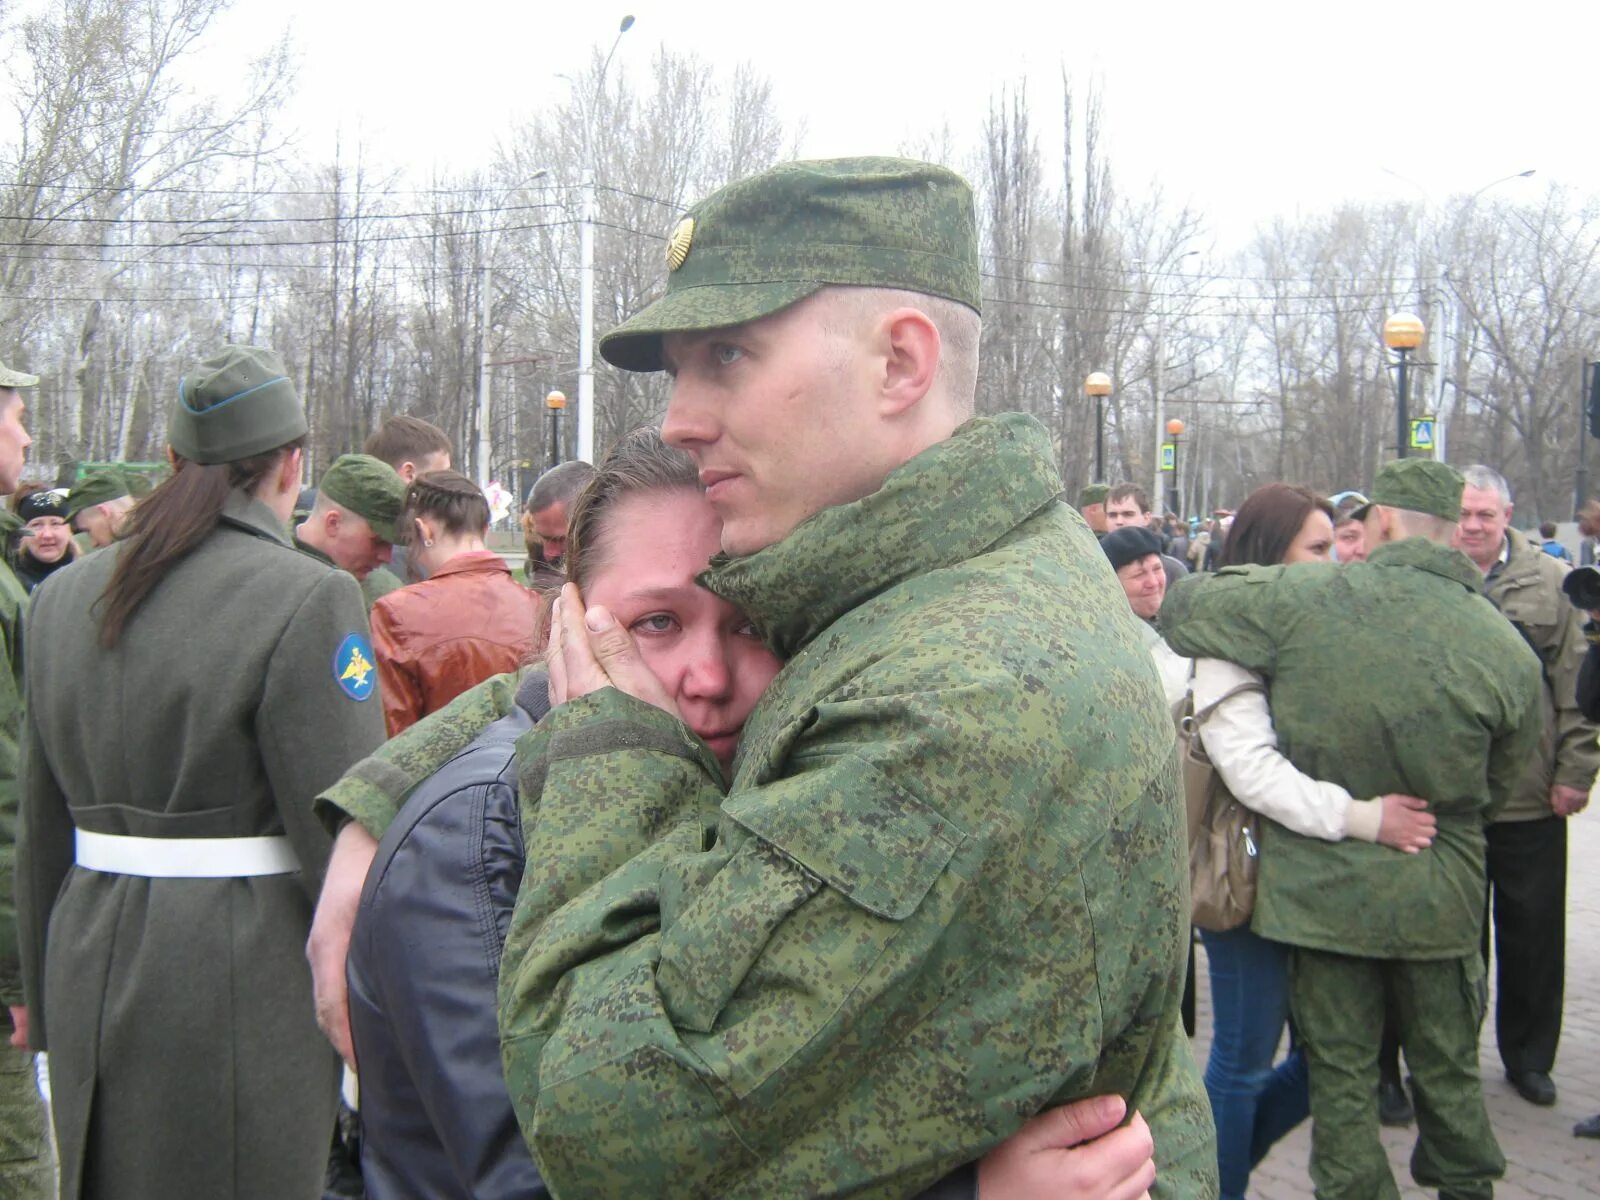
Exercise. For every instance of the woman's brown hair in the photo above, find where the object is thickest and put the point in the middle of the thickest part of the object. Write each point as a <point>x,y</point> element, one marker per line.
<point>1268,522</point>
<point>169,523</point>
<point>449,498</point>
<point>640,462</point>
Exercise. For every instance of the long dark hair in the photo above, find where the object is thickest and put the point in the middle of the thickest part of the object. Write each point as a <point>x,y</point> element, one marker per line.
<point>167,525</point>
<point>640,462</point>
<point>1268,522</point>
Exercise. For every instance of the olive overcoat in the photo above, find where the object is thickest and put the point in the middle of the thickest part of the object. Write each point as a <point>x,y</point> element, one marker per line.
<point>185,1061</point>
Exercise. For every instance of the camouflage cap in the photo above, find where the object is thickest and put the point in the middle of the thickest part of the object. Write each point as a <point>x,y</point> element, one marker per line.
<point>763,243</point>
<point>237,403</point>
<point>1417,485</point>
<point>368,487</point>
<point>1093,493</point>
<point>98,488</point>
<point>16,379</point>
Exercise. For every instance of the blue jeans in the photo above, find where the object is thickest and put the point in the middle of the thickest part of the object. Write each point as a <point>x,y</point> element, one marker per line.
<point>1254,1103</point>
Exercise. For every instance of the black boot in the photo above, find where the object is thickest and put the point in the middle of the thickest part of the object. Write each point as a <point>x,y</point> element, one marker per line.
<point>1394,1106</point>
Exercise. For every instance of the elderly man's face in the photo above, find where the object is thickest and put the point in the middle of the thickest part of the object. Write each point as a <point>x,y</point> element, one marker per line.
<point>1144,582</point>
<point>1482,531</point>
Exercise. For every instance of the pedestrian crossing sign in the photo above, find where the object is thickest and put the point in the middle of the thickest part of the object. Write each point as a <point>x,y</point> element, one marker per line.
<point>1169,456</point>
<point>1422,433</point>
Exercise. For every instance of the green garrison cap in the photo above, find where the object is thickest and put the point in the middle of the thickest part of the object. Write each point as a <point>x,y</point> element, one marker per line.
<point>236,403</point>
<point>1094,493</point>
<point>763,243</point>
<point>16,379</point>
<point>1417,485</point>
<point>368,487</point>
<point>98,488</point>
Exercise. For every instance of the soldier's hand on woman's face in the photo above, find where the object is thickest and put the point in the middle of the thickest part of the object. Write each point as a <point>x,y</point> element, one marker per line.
<point>1074,1152</point>
<point>589,650</point>
<point>1407,824</point>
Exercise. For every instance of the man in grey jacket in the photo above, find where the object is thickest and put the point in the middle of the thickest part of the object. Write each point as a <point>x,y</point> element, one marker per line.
<point>1527,840</point>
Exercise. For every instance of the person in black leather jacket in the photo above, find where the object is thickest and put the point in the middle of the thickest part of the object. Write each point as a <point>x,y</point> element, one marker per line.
<point>423,966</point>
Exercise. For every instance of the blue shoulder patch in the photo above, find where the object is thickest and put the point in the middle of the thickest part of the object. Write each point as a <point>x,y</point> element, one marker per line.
<point>353,670</point>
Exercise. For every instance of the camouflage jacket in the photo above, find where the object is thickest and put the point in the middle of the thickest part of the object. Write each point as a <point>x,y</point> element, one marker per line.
<point>1527,589</point>
<point>1392,675</point>
<point>13,604</point>
<point>372,791</point>
<point>947,888</point>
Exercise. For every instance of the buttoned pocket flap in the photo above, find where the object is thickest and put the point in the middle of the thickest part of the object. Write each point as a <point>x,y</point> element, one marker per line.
<point>846,822</point>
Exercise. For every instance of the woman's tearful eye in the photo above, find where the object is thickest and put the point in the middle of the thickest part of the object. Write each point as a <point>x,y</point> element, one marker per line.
<point>655,623</point>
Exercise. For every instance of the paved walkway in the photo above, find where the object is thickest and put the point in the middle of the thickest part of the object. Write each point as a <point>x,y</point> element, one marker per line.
<point>1545,1162</point>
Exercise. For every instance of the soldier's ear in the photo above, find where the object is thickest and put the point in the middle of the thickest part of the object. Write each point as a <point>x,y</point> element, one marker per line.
<point>911,346</point>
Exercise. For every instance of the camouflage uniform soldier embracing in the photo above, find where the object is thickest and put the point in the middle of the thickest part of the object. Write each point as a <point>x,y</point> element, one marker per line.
<point>1453,722</point>
<point>947,885</point>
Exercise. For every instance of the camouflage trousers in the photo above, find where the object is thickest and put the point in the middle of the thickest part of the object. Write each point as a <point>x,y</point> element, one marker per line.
<point>27,1171</point>
<point>1337,1003</point>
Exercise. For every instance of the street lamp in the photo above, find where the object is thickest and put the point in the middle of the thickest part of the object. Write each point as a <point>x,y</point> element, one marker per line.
<point>586,270</point>
<point>1175,429</point>
<point>1098,385</point>
<point>553,404</point>
<point>1402,333</point>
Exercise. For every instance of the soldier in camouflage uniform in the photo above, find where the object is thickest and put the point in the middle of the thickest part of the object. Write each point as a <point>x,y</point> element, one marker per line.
<point>947,886</point>
<point>1454,723</point>
<point>26,1170</point>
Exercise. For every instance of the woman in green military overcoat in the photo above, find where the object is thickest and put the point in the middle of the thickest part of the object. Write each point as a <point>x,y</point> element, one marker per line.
<point>190,690</point>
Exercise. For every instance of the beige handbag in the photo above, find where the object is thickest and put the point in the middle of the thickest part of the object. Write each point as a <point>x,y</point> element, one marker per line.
<point>1223,850</point>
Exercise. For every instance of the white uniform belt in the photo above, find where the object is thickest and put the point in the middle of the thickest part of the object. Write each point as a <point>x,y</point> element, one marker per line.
<point>185,858</point>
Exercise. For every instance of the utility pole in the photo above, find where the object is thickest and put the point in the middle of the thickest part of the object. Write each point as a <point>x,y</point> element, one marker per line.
<point>586,266</point>
<point>1157,491</point>
<point>485,448</point>
<point>1588,414</point>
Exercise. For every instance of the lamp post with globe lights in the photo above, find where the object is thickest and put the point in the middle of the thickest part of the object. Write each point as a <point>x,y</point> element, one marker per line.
<point>1175,428</point>
<point>1402,333</point>
<point>1098,385</point>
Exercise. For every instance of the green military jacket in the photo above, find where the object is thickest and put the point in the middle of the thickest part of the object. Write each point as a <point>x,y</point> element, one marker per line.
<point>1392,675</point>
<point>372,791</point>
<point>947,888</point>
<point>234,696</point>
<point>13,604</point>
<point>379,583</point>
<point>1527,589</point>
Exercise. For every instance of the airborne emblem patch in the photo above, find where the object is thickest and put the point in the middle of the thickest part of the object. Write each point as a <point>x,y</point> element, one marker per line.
<point>352,668</point>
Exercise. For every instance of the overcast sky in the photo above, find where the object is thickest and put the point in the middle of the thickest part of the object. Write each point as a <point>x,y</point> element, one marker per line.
<point>1248,110</point>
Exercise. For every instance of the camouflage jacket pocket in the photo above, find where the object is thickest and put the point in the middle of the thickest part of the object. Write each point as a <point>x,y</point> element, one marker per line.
<point>795,927</point>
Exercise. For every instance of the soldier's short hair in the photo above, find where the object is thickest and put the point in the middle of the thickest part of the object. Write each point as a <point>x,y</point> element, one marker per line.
<point>1487,479</point>
<point>406,439</point>
<point>559,485</point>
<point>1122,491</point>
<point>845,308</point>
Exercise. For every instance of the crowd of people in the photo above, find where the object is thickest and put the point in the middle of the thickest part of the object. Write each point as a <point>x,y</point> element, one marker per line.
<point>806,819</point>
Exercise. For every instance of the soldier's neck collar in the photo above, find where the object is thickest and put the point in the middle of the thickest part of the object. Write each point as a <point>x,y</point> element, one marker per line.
<point>948,504</point>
